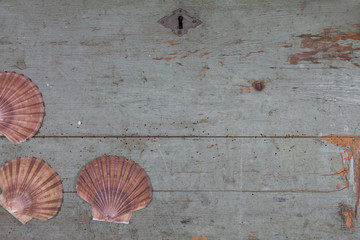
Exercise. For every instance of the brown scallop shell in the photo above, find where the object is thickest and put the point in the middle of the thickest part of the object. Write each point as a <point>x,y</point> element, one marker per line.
<point>21,107</point>
<point>30,189</point>
<point>114,187</point>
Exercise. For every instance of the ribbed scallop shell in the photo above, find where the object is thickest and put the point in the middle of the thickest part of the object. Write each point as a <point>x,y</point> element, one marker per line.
<point>114,187</point>
<point>30,189</point>
<point>21,107</point>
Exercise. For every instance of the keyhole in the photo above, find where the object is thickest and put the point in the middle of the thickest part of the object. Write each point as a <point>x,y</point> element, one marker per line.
<point>180,19</point>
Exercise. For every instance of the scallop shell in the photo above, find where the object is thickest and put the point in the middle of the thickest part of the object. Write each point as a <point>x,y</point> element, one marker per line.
<point>21,107</point>
<point>31,189</point>
<point>114,187</point>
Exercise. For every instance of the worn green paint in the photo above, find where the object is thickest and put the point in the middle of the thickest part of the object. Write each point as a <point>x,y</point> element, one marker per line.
<point>96,64</point>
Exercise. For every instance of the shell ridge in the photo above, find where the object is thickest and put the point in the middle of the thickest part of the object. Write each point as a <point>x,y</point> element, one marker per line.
<point>36,192</point>
<point>7,99</point>
<point>126,163</point>
<point>93,184</point>
<point>5,88</point>
<point>124,197</point>
<point>115,178</point>
<point>108,173</point>
<point>32,163</point>
<point>102,180</point>
<point>15,108</point>
<point>86,191</point>
<point>125,187</point>
<point>130,196</point>
<point>100,191</point>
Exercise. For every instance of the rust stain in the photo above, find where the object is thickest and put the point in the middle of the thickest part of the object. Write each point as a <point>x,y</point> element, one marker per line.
<point>179,63</point>
<point>210,146</point>
<point>172,43</point>
<point>203,120</point>
<point>258,85</point>
<point>191,52</point>
<point>204,54</point>
<point>326,45</point>
<point>252,238</point>
<point>199,238</point>
<point>302,7</point>
<point>299,215</point>
<point>250,53</point>
<point>348,215</point>
<point>287,45</point>
<point>169,58</point>
<point>200,76</point>
<point>173,53</point>
<point>158,58</point>
<point>351,146</point>
<point>242,90</point>
<point>222,63</point>
<point>83,219</point>
<point>204,69</point>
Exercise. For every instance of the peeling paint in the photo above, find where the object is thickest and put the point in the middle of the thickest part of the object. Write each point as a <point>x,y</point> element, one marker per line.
<point>348,215</point>
<point>326,45</point>
<point>351,146</point>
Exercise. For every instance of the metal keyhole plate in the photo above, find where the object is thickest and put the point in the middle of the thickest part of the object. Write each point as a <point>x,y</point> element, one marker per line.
<point>179,22</point>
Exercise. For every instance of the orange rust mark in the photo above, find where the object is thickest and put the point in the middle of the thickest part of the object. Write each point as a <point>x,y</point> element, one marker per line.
<point>179,63</point>
<point>302,7</point>
<point>351,146</point>
<point>248,90</point>
<point>200,114</point>
<point>204,54</point>
<point>199,238</point>
<point>299,215</point>
<point>203,120</point>
<point>258,85</point>
<point>204,69</point>
<point>222,63</point>
<point>343,171</point>
<point>115,234</point>
<point>287,45</point>
<point>172,43</point>
<point>326,45</point>
<point>248,54</point>
<point>348,215</point>
<point>252,238</point>
<point>200,76</point>
<point>83,219</point>
<point>158,58</point>
<point>191,52</point>
<point>210,146</point>
<point>241,90</point>
<point>338,185</point>
<point>169,58</point>
<point>173,53</point>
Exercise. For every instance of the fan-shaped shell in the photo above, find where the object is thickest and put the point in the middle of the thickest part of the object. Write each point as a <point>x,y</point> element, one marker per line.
<point>30,188</point>
<point>114,187</point>
<point>21,107</point>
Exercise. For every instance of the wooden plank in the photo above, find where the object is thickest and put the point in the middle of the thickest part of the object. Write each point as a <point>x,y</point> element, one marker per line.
<point>111,69</point>
<point>219,188</point>
<point>195,164</point>
<point>173,216</point>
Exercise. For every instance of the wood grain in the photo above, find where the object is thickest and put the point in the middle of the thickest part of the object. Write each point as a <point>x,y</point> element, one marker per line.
<point>226,161</point>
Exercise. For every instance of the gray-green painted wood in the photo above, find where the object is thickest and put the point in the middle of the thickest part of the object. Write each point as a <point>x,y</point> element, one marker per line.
<point>107,68</point>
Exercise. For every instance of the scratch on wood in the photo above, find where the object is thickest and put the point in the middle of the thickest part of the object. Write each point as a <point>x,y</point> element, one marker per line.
<point>326,44</point>
<point>351,144</point>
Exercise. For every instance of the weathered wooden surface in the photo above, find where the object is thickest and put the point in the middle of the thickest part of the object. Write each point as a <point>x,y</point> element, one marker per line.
<point>220,188</point>
<point>109,69</point>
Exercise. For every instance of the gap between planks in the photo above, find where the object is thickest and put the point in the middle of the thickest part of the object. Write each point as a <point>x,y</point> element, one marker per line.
<point>187,136</point>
